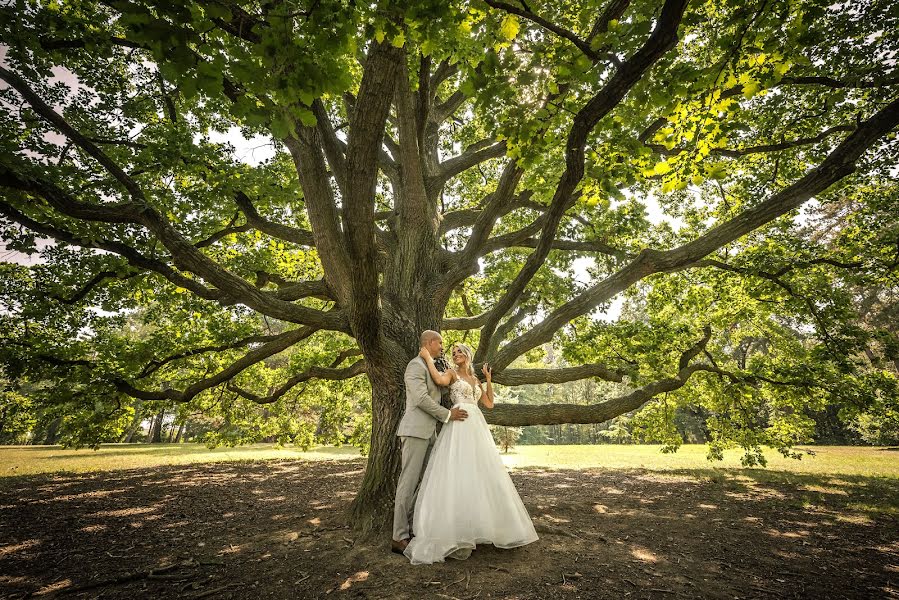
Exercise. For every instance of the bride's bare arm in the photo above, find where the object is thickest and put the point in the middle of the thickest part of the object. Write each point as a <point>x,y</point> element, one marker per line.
<point>487,397</point>
<point>442,379</point>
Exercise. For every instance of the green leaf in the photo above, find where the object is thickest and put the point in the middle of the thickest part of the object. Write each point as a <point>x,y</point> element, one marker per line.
<point>307,118</point>
<point>282,127</point>
<point>306,97</point>
<point>510,27</point>
<point>218,11</point>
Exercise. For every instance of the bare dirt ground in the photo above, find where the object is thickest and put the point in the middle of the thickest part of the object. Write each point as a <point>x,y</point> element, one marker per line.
<point>277,530</point>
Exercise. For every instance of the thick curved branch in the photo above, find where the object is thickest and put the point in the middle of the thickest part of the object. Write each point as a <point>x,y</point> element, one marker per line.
<point>838,164</point>
<point>475,155</point>
<point>291,291</point>
<point>660,41</point>
<point>134,258</point>
<point>277,230</point>
<point>498,203</point>
<point>353,370</point>
<point>447,108</point>
<point>513,377</point>
<point>517,415</point>
<point>280,343</point>
<point>466,217</point>
<point>444,71</point>
<point>465,323</point>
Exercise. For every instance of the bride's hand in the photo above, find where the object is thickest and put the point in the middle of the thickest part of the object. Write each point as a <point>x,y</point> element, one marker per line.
<point>488,372</point>
<point>424,353</point>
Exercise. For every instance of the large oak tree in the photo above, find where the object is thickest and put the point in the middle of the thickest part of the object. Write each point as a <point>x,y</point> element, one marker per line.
<point>438,165</point>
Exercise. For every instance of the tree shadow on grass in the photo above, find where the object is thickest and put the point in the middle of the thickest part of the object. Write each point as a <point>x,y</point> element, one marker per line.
<point>278,529</point>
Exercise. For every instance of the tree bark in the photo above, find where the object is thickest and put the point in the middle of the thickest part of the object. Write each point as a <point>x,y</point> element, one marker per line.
<point>53,431</point>
<point>372,509</point>
<point>156,428</point>
<point>129,433</point>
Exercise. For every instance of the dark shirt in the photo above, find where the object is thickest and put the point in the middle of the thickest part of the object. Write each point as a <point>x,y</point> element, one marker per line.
<point>442,366</point>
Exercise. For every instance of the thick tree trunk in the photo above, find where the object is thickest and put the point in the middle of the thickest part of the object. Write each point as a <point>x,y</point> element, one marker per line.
<point>372,509</point>
<point>180,433</point>
<point>53,431</point>
<point>156,428</point>
<point>401,324</point>
<point>128,436</point>
<point>129,433</point>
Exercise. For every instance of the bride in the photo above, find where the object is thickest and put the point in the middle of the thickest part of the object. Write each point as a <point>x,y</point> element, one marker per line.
<point>466,496</point>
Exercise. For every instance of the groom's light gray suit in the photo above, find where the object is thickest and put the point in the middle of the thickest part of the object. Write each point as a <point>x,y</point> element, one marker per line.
<point>417,432</point>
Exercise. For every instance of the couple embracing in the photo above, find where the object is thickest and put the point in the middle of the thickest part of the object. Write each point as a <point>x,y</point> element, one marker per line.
<point>454,491</point>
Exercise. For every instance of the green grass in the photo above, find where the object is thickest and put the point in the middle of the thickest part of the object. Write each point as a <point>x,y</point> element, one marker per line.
<point>29,460</point>
<point>830,460</point>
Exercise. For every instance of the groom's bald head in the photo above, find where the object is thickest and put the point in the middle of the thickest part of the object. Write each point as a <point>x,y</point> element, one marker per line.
<point>427,336</point>
<point>431,340</point>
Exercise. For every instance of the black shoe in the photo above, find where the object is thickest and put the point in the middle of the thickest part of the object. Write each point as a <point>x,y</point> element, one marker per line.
<point>398,546</point>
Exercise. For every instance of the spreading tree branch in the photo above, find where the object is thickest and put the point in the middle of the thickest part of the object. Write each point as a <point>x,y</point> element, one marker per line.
<point>334,374</point>
<point>838,164</point>
<point>156,364</point>
<point>660,41</point>
<point>283,232</point>
<point>513,377</point>
<point>516,415</point>
<point>277,344</point>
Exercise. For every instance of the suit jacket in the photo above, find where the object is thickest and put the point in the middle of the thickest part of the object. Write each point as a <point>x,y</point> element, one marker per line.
<point>423,409</point>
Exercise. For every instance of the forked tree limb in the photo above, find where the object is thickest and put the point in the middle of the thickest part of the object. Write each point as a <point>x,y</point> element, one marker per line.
<point>838,164</point>
<point>330,373</point>
<point>517,415</point>
<point>662,39</point>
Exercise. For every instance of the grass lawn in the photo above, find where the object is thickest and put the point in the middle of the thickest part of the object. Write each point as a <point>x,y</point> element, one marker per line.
<point>614,522</point>
<point>832,460</point>
<point>30,460</point>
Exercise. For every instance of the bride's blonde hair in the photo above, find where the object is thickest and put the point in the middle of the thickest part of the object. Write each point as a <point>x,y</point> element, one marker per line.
<point>469,355</point>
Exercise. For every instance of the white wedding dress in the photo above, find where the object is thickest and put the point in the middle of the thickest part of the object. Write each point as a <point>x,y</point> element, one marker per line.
<point>466,496</point>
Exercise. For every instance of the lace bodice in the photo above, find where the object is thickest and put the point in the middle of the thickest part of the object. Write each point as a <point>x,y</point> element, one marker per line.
<point>462,391</point>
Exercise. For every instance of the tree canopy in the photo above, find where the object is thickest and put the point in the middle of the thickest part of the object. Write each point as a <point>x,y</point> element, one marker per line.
<point>499,171</point>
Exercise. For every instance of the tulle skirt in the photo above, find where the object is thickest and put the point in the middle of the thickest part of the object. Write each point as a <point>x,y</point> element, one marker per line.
<point>466,496</point>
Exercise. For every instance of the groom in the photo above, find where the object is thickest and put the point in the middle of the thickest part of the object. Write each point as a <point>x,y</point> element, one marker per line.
<point>417,433</point>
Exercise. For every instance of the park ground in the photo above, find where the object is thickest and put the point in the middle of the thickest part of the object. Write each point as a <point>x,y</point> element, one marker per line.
<point>157,521</point>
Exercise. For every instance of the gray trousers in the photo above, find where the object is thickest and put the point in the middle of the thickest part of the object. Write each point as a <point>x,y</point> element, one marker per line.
<point>416,452</point>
